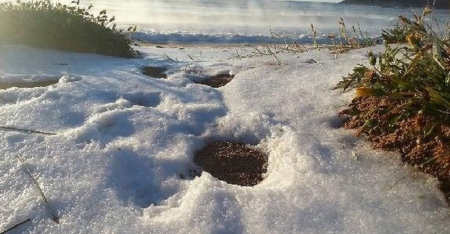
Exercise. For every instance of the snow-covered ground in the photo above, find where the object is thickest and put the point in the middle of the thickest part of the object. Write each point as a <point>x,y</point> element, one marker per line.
<point>122,139</point>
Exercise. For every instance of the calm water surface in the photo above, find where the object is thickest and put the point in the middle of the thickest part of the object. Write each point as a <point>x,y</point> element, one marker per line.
<point>238,21</point>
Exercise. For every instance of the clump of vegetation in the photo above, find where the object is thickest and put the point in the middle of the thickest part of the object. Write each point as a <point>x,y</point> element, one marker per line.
<point>345,41</point>
<point>403,97</point>
<point>70,27</point>
<point>338,43</point>
<point>396,34</point>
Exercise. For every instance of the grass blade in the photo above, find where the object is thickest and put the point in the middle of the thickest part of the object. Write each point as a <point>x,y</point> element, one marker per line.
<point>28,131</point>
<point>55,218</point>
<point>16,226</point>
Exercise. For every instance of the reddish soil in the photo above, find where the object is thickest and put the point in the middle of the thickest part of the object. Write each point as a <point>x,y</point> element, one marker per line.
<point>234,163</point>
<point>217,81</point>
<point>155,72</point>
<point>214,81</point>
<point>420,142</point>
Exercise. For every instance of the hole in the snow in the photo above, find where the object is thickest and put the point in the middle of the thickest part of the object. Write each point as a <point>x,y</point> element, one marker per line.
<point>28,84</point>
<point>155,72</point>
<point>143,99</point>
<point>217,81</point>
<point>234,163</point>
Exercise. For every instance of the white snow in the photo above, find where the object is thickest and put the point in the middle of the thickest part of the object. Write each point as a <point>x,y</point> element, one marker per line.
<point>123,138</point>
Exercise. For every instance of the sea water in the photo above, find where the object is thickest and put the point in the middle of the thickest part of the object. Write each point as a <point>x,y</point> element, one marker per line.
<point>252,21</point>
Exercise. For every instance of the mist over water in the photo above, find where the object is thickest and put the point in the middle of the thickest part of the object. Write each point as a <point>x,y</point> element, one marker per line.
<point>237,21</point>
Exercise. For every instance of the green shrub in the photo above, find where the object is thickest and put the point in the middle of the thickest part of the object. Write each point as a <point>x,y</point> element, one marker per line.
<point>416,73</point>
<point>397,34</point>
<point>70,27</point>
<point>403,97</point>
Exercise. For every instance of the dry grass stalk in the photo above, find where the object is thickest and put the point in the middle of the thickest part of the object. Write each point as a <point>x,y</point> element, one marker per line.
<point>55,218</point>
<point>28,131</point>
<point>16,226</point>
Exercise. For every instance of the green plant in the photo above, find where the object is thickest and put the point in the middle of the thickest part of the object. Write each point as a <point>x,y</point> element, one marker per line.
<point>314,36</point>
<point>403,97</point>
<point>347,42</point>
<point>342,42</point>
<point>67,27</point>
<point>396,34</point>
<point>418,74</point>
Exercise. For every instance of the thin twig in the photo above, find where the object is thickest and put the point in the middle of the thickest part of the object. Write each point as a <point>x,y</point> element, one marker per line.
<point>412,171</point>
<point>55,218</point>
<point>398,181</point>
<point>238,55</point>
<point>16,226</point>
<point>272,53</point>
<point>169,58</point>
<point>192,58</point>
<point>258,50</point>
<point>28,131</point>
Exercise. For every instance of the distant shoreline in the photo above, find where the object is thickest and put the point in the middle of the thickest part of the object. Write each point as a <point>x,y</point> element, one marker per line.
<point>439,4</point>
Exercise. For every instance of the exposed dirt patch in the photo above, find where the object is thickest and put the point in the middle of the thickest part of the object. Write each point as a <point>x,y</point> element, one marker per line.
<point>217,81</point>
<point>155,72</point>
<point>421,140</point>
<point>234,163</point>
<point>28,84</point>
